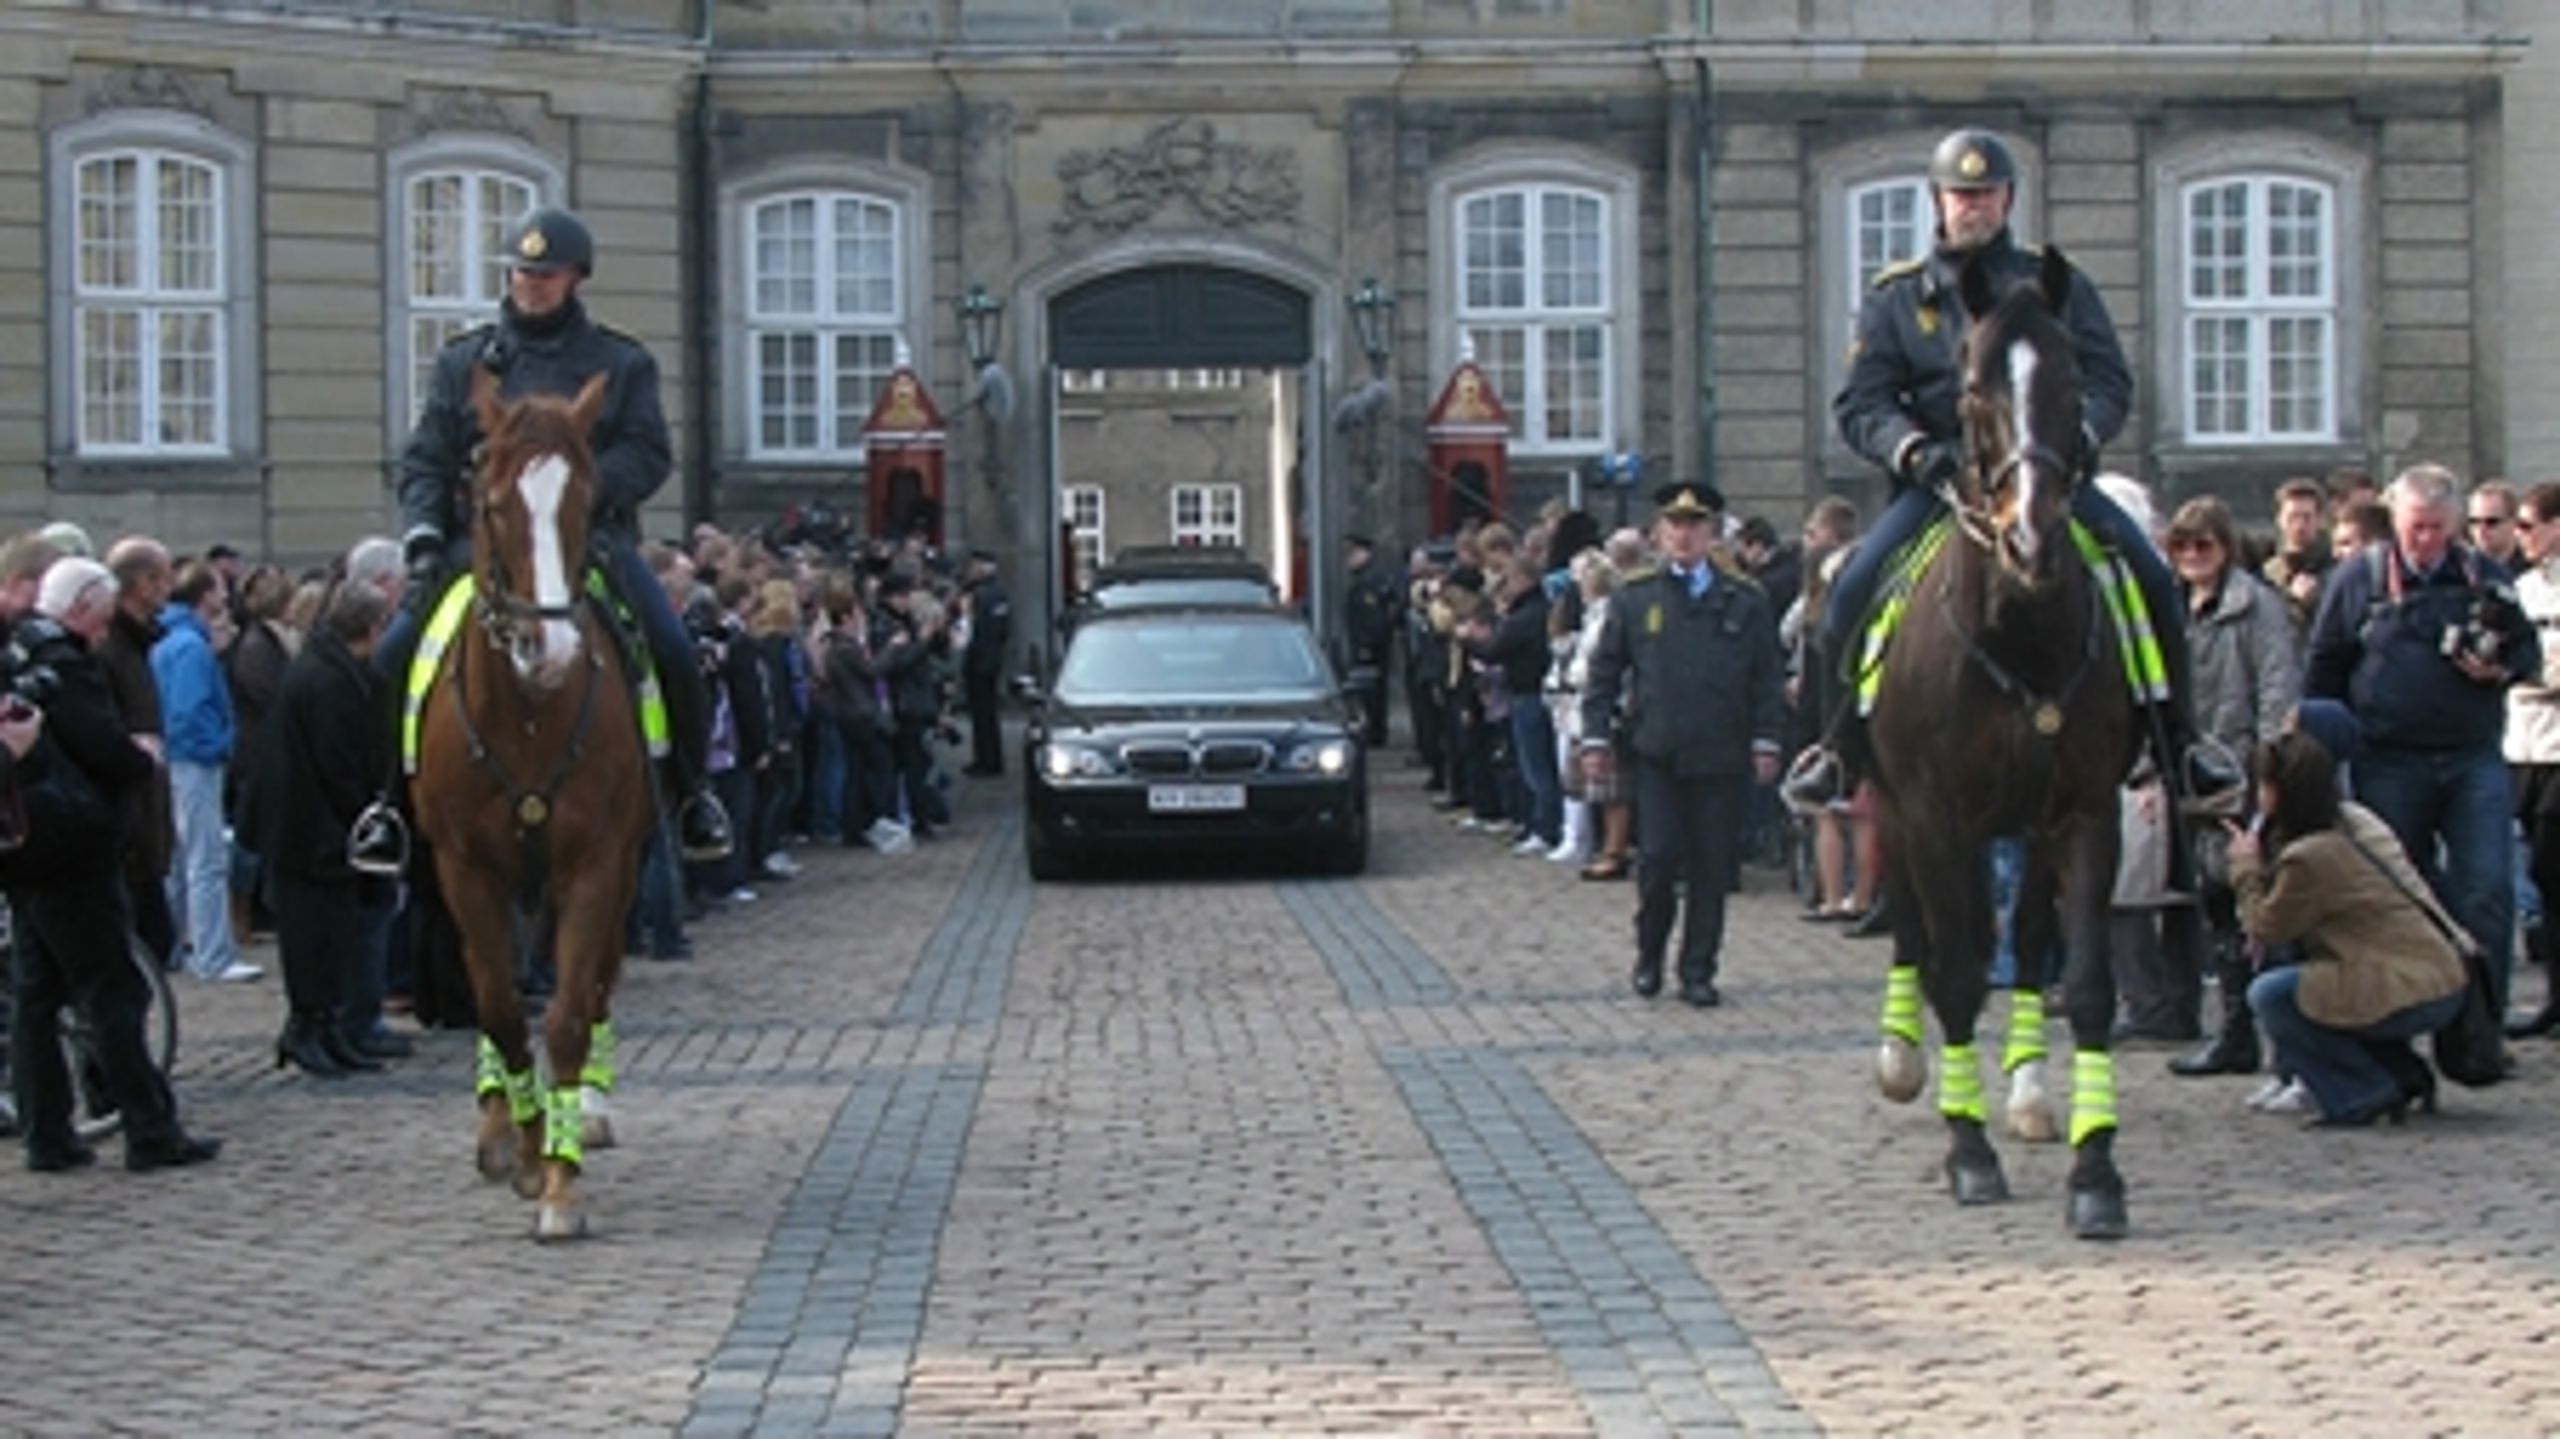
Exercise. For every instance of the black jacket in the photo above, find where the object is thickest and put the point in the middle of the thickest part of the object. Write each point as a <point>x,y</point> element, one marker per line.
<point>324,752</point>
<point>1903,378</point>
<point>990,628</point>
<point>1700,679</point>
<point>1369,615</point>
<point>632,451</point>
<point>1519,645</point>
<point>2377,643</point>
<point>79,779</point>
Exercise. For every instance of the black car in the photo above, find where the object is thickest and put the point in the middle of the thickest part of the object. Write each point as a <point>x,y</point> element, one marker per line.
<point>1173,577</point>
<point>1189,726</point>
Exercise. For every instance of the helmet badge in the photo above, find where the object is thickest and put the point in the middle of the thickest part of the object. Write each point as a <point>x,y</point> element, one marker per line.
<point>533,246</point>
<point>1972,165</point>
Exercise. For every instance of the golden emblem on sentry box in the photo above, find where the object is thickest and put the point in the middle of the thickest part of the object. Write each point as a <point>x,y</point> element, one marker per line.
<point>532,246</point>
<point>1972,165</point>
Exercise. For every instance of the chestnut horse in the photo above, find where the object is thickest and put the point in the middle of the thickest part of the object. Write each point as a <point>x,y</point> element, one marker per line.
<point>533,794</point>
<point>2006,711</point>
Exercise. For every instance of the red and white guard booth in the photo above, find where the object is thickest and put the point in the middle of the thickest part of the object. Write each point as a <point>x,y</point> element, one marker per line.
<point>1467,438</point>
<point>902,447</point>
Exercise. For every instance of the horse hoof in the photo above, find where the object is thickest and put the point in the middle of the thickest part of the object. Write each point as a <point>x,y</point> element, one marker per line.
<point>2029,1113</point>
<point>528,1183</point>
<point>2098,1214</point>
<point>554,1223</point>
<point>1977,1183</point>
<point>1901,1070</point>
<point>497,1160</point>
<point>595,1131</point>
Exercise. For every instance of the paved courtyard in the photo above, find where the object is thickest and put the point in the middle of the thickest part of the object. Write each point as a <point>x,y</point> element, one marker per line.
<point>915,1146</point>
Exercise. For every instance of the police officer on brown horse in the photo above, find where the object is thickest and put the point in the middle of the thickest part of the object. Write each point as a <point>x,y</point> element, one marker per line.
<point>1899,408</point>
<point>543,342</point>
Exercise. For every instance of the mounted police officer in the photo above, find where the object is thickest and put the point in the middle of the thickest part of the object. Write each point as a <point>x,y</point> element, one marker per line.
<point>1898,408</point>
<point>544,343</point>
<point>1692,651</point>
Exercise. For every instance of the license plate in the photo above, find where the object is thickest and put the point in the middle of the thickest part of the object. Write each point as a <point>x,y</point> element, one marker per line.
<point>1194,798</point>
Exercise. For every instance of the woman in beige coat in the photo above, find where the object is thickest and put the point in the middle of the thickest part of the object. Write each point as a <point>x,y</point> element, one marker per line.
<point>2377,970</point>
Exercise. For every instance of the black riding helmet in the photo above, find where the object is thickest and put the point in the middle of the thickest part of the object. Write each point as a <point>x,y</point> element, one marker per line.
<point>551,240</point>
<point>1972,160</point>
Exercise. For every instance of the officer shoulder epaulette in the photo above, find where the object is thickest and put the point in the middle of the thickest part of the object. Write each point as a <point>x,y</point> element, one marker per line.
<point>614,331</point>
<point>475,337</point>
<point>1727,569</point>
<point>1897,270</point>
<point>1640,573</point>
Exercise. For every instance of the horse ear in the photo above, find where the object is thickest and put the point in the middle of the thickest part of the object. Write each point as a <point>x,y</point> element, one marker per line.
<point>2055,279</point>
<point>484,399</point>
<point>589,403</point>
<point>1973,285</point>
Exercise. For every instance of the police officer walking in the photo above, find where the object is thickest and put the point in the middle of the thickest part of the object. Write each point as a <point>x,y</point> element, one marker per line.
<point>1687,666</point>
<point>543,342</point>
<point>982,667</point>
<point>1898,408</point>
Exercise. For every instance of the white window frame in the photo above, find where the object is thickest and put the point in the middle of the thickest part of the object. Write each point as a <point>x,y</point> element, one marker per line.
<point>1089,542</point>
<point>1924,221</point>
<point>839,416</point>
<point>228,302</point>
<point>1210,528</point>
<point>2258,309</point>
<point>1536,320</point>
<point>477,158</point>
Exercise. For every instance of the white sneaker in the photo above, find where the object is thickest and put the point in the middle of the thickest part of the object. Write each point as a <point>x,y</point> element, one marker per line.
<point>1567,852</point>
<point>780,865</point>
<point>1529,845</point>
<point>2294,1098</point>
<point>236,972</point>
<point>889,837</point>
<point>740,895</point>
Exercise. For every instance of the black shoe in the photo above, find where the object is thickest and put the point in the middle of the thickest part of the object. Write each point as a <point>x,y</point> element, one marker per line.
<point>702,828</point>
<point>1647,978</point>
<point>2394,1110</point>
<point>175,1152</point>
<point>301,1046</point>
<point>1875,923</point>
<point>1701,995</point>
<point>343,1050</point>
<point>382,1044</point>
<point>2233,1051</point>
<point>2547,1020</point>
<point>60,1159</point>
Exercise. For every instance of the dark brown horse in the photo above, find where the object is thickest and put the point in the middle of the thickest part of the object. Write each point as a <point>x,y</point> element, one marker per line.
<point>2005,711</point>
<point>533,794</point>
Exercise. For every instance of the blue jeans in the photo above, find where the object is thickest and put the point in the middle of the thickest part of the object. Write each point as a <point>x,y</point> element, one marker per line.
<point>2465,801</point>
<point>1533,750</point>
<point>200,879</point>
<point>2336,1064</point>
<point>826,794</point>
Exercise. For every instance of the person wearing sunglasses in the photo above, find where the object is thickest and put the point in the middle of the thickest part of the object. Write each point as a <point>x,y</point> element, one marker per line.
<point>2491,519</point>
<point>2533,736</point>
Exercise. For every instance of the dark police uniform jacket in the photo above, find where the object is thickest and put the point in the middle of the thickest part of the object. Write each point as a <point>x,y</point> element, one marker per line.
<point>632,452</point>
<point>990,629</point>
<point>1700,677</point>
<point>1903,377</point>
<point>1369,615</point>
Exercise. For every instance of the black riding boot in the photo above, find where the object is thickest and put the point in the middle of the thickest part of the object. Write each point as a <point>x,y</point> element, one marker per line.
<point>2233,1050</point>
<point>302,1046</point>
<point>342,1049</point>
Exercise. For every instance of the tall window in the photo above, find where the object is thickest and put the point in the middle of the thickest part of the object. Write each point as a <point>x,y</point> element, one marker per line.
<point>823,310</point>
<point>2260,286</point>
<point>1889,221</point>
<point>1208,515</point>
<point>1081,507</point>
<point>149,287</point>
<point>455,224</point>
<point>1533,293</point>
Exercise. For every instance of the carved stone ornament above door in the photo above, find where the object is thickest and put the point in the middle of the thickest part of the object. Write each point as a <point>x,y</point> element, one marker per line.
<point>1181,161</point>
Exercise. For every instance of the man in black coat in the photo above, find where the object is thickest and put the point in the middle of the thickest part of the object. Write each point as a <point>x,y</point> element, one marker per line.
<point>1693,650</point>
<point>1369,622</point>
<point>73,921</point>
<point>324,752</point>
<point>982,667</point>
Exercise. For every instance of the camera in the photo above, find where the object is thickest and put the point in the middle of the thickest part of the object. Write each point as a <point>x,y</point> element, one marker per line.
<point>25,681</point>
<point>2482,631</point>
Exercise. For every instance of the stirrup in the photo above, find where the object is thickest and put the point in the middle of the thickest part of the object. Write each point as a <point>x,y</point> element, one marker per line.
<point>702,828</point>
<point>2210,782</point>
<point>1816,781</point>
<point>378,842</point>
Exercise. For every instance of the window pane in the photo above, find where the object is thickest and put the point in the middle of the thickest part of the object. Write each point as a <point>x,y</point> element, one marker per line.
<point>2294,234</point>
<point>786,257</point>
<point>2297,375</point>
<point>110,376</point>
<point>110,258</point>
<point>504,200</point>
<point>1569,251</point>
<point>863,363</point>
<point>2218,242</point>
<point>1493,252</point>
<point>1573,381</point>
<point>2219,375</point>
<point>428,335</point>
<point>866,259</point>
<point>787,391</point>
<point>190,242</point>
<point>1886,229</point>
<point>1501,352</point>
<point>437,253</point>
<point>190,377</point>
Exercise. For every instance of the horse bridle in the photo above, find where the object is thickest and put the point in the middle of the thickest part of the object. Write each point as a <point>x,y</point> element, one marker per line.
<point>495,604</point>
<point>1976,520</point>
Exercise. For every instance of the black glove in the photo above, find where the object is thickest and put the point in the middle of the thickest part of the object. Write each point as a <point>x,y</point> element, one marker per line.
<point>1931,463</point>
<point>426,567</point>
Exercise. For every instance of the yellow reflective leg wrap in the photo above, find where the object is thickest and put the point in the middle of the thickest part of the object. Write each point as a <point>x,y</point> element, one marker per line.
<point>2026,1029</point>
<point>563,1110</point>
<point>523,1101</point>
<point>1960,1084</point>
<point>2093,1093</point>
<point>597,1072</point>
<point>1902,1002</point>
<point>491,1074</point>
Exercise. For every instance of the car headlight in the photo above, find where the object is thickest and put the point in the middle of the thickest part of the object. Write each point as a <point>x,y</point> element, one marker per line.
<point>1332,757</point>
<point>1066,761</point>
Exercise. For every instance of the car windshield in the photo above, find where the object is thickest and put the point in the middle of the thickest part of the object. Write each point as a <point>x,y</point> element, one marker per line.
<point>1201,590</point>
<point>1220,656</point>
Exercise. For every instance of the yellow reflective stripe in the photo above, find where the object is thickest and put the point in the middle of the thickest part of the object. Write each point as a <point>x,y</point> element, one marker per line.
<point>522,1103</point>
<point>1960,1084</point>
<point>598,1070</point>
<point>2146,669</point>
<point>490,1076</point>
<point>2093,1093</point>
<point>1902,1002</point>
<point>442,624</point>
<point>2026,1028</point>
<point>653,714</point>
<point>1901,578</point>
<point>563,1112</point>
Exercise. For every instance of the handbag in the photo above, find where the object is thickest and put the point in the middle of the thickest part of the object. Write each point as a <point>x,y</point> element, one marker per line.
<point>2470,1048</point>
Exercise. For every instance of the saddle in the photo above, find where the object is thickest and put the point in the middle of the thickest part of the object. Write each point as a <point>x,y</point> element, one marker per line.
<point>445,621</point>
<point>2137,642</point>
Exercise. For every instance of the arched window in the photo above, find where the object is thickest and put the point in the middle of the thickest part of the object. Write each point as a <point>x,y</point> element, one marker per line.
<point>1536,294</point>
<point>452,201</point>
<point>2258,272</point>
<point>825,300</point>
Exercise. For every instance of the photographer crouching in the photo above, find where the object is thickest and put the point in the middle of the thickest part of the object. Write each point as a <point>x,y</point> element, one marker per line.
<point>64,882</point>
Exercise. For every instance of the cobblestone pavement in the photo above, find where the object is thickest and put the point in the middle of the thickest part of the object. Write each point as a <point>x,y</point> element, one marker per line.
<point>915,1146</point>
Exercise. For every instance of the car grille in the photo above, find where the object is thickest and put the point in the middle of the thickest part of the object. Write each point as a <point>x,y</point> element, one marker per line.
<point>1157,759</point>
<point>1221,758</point>
<point>1234,757</point>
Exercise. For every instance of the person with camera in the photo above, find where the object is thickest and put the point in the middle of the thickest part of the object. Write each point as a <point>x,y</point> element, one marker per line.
<point>2419,637</point>
<point>2533,738</point>
<point>67,893</point>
